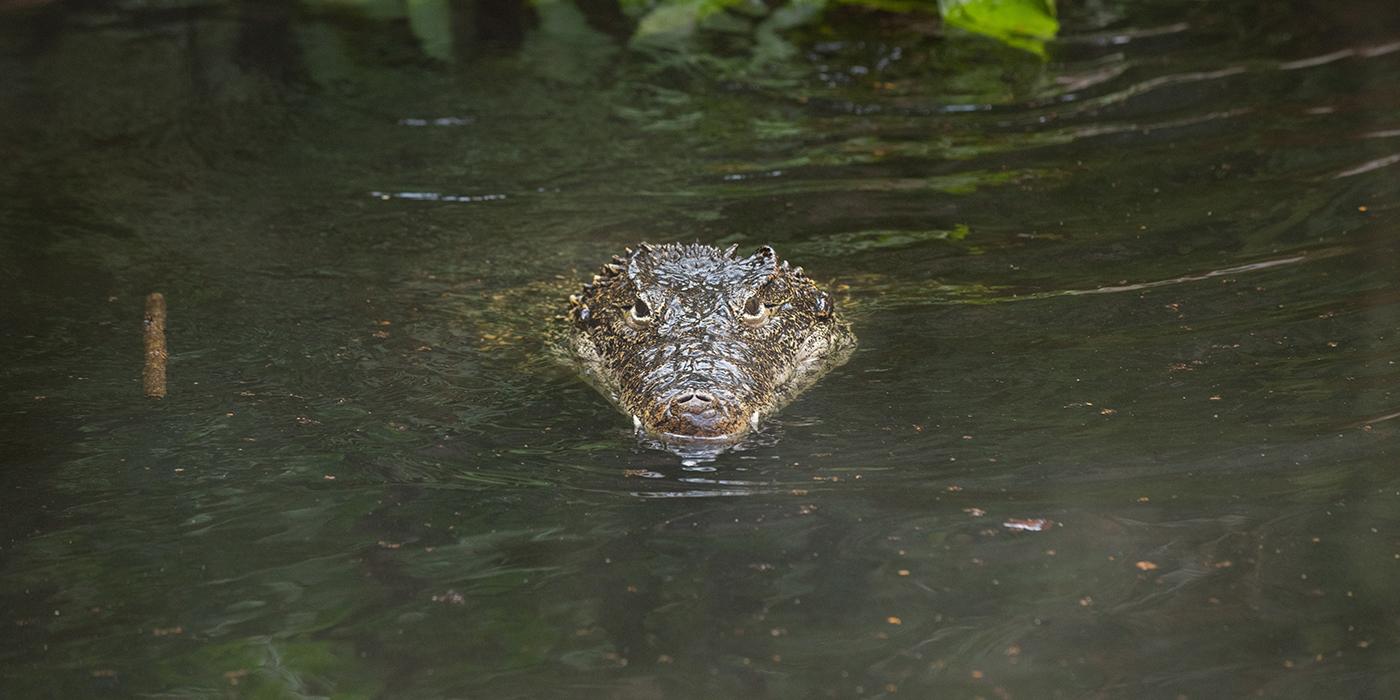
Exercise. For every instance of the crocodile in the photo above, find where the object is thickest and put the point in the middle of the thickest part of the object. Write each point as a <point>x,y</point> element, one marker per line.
<point>698,344</point>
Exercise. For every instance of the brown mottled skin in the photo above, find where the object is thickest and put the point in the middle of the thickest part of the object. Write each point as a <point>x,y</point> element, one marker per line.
<point>698,344</point>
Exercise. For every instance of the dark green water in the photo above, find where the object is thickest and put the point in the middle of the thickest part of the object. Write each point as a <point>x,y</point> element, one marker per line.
<point>1148,289</point>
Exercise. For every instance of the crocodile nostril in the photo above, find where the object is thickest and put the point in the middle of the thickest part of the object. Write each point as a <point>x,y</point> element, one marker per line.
<point>701,414</point>
<point>694,402</point>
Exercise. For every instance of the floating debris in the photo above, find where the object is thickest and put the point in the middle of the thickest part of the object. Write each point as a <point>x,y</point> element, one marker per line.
<point>749,176</point>
<point>450,597</point>
<point>437,197</point>
<point>153,373</point>
<point>1028,524</point>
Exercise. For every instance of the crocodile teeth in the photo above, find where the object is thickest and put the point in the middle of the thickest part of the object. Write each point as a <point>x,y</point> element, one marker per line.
<point>636,423</point>
<point>753,420</point>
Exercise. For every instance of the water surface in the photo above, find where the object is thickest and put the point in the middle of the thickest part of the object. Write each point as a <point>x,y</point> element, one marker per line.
<point>1146,291</point>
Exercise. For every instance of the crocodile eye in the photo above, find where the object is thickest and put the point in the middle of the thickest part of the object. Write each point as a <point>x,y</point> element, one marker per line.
<point>638,314</point>
<point>756,313</point>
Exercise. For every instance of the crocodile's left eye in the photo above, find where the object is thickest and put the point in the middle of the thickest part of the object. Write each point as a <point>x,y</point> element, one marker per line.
<point>638,314</point>
<point>756,313</point>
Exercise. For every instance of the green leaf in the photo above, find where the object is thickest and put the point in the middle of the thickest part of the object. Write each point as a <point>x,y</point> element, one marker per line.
<point>1024,24</point>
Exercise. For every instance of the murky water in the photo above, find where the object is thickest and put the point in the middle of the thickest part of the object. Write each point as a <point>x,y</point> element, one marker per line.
<point>1146,291</point>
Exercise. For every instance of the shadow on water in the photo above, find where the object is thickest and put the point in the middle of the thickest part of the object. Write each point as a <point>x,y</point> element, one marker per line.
<point>1121,422</point>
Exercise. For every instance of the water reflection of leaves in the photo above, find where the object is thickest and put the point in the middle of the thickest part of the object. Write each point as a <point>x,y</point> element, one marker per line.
<point>676,25</point>
<point>1024,24</point>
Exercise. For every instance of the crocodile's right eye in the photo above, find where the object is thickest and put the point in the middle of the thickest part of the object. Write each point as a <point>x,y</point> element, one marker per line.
<point>638,314</point>
<point>756,312</point>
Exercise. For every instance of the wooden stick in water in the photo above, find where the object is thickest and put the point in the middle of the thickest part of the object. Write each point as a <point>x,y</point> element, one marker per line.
<point>153,376</point>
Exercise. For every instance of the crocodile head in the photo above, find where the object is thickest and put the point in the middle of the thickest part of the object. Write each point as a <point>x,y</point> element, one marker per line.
<point>698,344</point>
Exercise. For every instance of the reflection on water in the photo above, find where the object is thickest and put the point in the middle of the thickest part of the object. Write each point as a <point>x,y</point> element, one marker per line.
<point>1120,423</point>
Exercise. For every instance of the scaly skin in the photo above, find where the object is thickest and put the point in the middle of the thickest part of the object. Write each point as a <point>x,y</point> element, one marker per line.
<point>697,344</point>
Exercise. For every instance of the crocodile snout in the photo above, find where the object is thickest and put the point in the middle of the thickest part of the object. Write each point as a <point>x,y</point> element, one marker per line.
<point>700,414</point>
